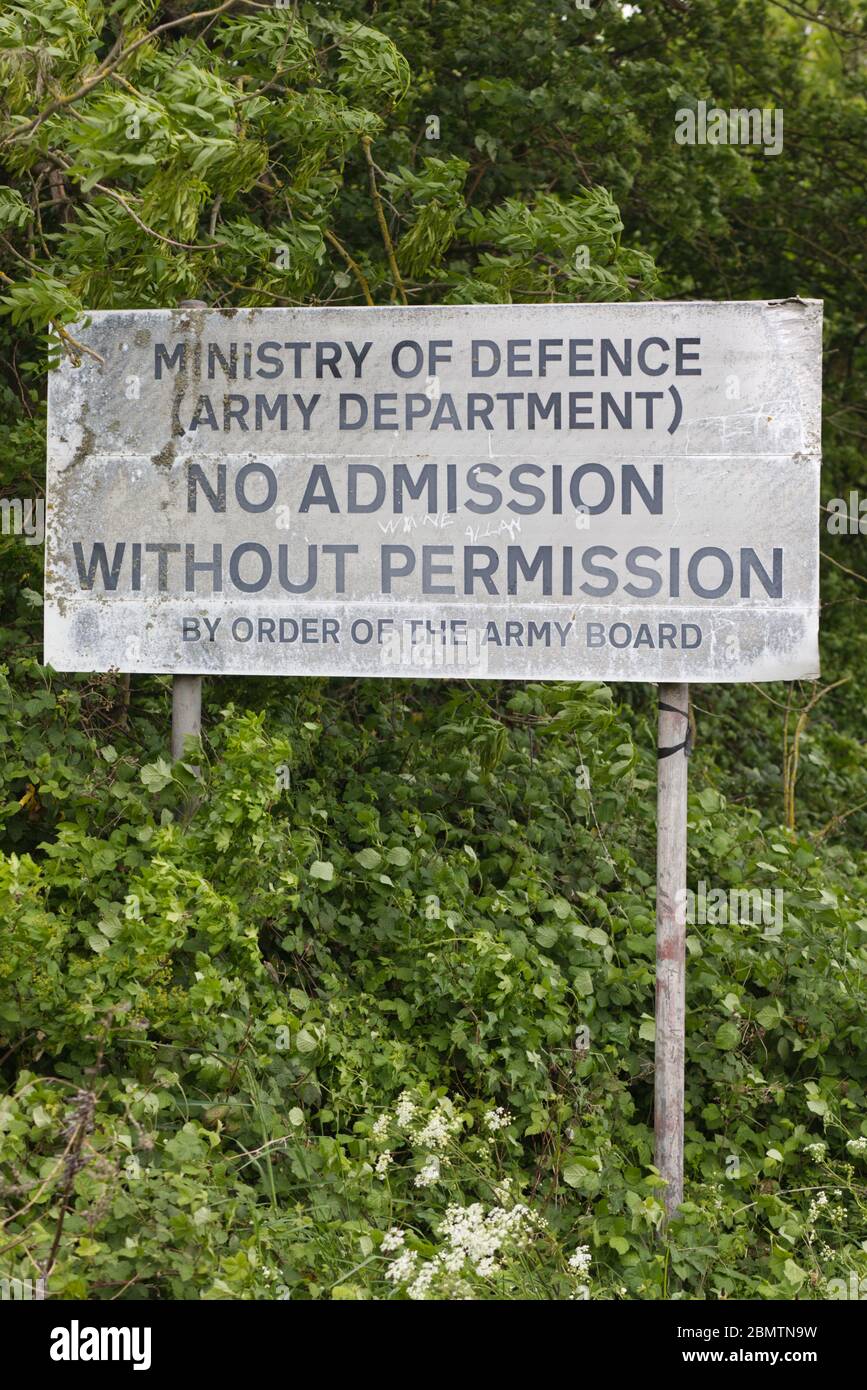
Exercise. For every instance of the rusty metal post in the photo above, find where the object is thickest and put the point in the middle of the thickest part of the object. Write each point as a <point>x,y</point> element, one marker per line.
<point>673,748</point>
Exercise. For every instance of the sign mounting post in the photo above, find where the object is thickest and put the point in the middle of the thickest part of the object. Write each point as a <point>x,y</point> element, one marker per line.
<point>673,749</point>
<point>186,690</point>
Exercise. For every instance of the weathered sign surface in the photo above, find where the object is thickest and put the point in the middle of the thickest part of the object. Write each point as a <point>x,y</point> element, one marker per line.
<point>618,491</point>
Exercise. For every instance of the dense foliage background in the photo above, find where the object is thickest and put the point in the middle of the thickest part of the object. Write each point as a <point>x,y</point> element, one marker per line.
<point>246,1029</point>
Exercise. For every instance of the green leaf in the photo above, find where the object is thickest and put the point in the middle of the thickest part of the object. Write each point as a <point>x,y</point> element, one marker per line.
<point>794,1274</point>
<point>727,1037</point>
<point>156,775</point>
<point>768,1017</point>
<point>322,868</point>
<point>574,1174</point>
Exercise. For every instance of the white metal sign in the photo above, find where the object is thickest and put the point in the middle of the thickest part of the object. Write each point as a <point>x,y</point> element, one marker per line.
<point>618,491</point>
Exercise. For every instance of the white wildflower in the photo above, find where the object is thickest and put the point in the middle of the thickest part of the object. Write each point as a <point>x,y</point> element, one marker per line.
<point>429,1174</point>
<point>472,1239</point>
<point>435,1134</point>
<point>403,1268</point>
<point>392,1240</point>
<point>452,1259</point>
<point>420,1287</point>
<point>382,1163</point>
<point>816,1150</point>
<point>380,1128</point>
<point>579,1260</point>
<point>406,1108</point>
<point>857,1146</point>
<point>497,1119</point>
<point>441,1124</point>
<point>816,1206</point>
<point>482,1237</point>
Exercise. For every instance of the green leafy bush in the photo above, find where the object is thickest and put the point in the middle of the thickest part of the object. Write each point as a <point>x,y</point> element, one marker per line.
<point>317,1021</point>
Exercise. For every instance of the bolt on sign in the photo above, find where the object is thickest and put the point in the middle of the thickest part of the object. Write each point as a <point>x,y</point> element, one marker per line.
<point>568,491</point>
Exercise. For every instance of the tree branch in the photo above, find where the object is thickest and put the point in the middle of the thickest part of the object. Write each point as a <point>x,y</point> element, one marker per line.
<point>353,265</point>
<point>107,67</point>
<point>380,217</point>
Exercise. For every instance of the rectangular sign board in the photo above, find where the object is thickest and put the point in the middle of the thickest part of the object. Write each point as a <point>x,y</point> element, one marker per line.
<point>552,491</point>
